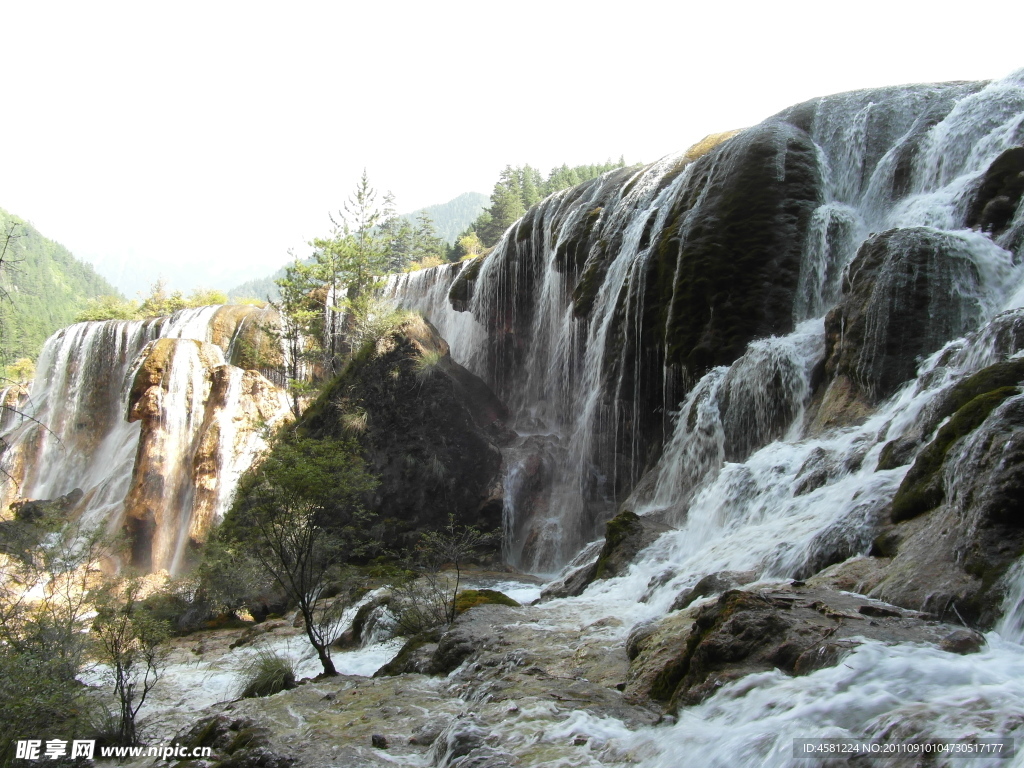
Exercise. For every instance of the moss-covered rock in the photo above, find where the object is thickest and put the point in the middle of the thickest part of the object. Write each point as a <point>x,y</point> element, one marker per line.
<point>725,266</point>
<point>960,524</point>
<point>429,429</point>
<point>795,629</point>
<point>236,742</point>
<point>415,657</point>
<point>922,488</point>
<point>625,535</point>
<point>470,598</point>
<point>461,292</point>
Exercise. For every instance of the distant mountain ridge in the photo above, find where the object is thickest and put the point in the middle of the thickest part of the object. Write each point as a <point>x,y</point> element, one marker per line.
<point>451,218</point>
<point>46,287</point>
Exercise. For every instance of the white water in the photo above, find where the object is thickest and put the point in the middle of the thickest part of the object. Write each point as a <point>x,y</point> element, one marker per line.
<point>731,477</point>
<point>81,393</point>
<point>733,486</point>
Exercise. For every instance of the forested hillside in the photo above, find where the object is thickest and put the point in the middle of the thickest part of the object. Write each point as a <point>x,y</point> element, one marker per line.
<point>45,287</point>
<point>516,191</point>
<point>451,218</point>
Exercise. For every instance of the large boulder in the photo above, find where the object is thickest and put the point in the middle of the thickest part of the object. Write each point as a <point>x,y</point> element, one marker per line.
<point>625,535</point>
<point>999,194</point>
<point>909,291</point>
<point>956,533</point>
<point>796,629</point>
<point>429,429</point>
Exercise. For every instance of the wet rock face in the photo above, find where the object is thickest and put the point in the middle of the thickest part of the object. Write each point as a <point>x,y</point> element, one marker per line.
<point>237,742</point>
<point>429,429</point>
<point>908,292</point>
<point>951,560</point>
<point>725,270</point>
<point>36,510</point>
<point>794,629</point>
<point>998,196</point>
<point>625,535</point>
<point>519,677</point>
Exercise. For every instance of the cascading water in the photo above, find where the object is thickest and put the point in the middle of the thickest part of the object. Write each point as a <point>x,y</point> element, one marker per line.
<point>772,460</point>
<point>598,324</point>
<point>165,456</point>
<point>737,341</point>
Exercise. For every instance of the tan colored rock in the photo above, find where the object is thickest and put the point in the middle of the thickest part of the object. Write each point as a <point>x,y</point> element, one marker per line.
<point>199,426</point>
<point>240,404</point>
<point>226,321</point>
<point>245,333</point>
<point>858,574</point>
<point>842,405</point>
<point>158,357</point>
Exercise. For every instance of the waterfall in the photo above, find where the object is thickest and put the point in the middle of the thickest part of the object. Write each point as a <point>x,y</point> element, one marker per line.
<point>765,446</point>
<point>754,343</point>
<point>149,421</point>
<point>593,320</point>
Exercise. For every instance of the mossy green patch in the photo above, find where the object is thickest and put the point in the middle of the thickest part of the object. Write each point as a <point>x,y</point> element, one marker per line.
<point>1005,374</point>
<point>617,530</point>
<point>725,265</point>
<point>461,292</point>
<point>666,684</point>
<point>469,598</point>
<point>922,488</point>
<point>397,665</point>
<point>589,284</point>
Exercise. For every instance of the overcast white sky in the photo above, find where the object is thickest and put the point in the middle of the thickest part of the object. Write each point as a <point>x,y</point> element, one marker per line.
<point>217,135</point>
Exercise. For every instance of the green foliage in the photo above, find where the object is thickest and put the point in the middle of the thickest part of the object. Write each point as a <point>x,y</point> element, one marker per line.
<point>302,309</point>
<point>425,364</point>
<point>21,370</point>
<point>37,698</point>
<point>331,303</point>
<point>268,673</point>
<point>426,595</point>
<point>130,644</point>
<point>43,640</point>
<point>373,318</point>
<point>516,191</point>
<point>108,308</point>
<point>300,514</point>
<point>452,218</point>
<point>227,579</point>
<point>49,284</point>
<point>157,304</point>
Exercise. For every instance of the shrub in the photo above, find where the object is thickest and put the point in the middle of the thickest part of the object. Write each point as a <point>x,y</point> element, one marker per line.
<point>268,673</point>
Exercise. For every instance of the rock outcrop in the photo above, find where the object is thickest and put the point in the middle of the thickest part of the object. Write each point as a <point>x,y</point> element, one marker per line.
<point>430,430</point>
<point>625,535</point>
<point>201,422</point>
<point>996,200</point>
<point>908,291</point>
<point>797,629</point>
